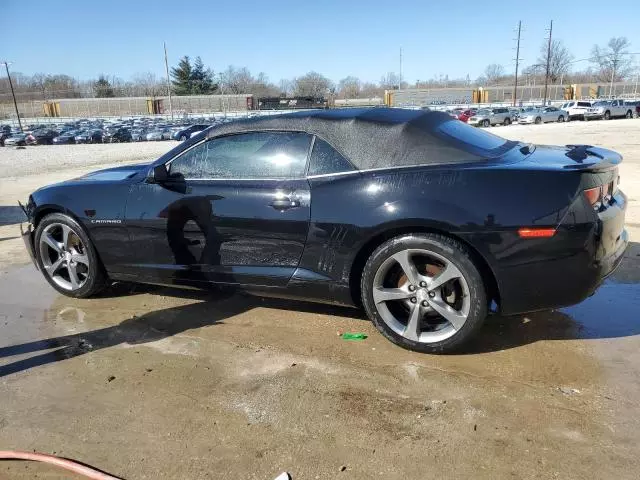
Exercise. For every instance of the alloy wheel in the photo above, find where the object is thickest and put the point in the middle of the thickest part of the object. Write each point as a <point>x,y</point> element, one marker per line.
<point>421,295</point>
<point>64,256</point>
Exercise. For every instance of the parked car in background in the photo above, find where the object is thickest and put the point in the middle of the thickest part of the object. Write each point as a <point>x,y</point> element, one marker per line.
<point>635,105</point>
<point>121,134</point>
<point>575,109</point>
<point>491,116</point>
<point>44,136</point>
<point>543,115</point>
<point>515,113</point>
<point>65,138</point>
<point>4,134</point>
<point>465,115</point>
<point>159,134</point>
<point>528,228</point>
<point>139,134</point>
<point>89,136</point>
<point>185,133</point>
<point>19,139</point>
<point>607,109</point>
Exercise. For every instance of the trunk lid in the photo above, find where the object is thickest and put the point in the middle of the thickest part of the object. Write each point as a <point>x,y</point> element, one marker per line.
<point>584,158</point>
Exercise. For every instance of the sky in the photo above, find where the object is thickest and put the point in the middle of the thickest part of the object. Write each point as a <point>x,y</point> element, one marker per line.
<point>287,38</point>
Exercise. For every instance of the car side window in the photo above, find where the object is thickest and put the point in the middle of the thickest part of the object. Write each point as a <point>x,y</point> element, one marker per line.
<point>247,155</point>
<point>325,159</point>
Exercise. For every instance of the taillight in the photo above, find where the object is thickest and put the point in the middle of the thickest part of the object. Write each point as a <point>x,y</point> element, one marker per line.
<point>594,196</point>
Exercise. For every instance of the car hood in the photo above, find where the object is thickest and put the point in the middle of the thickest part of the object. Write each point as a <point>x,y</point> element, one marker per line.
<point>115,174</point>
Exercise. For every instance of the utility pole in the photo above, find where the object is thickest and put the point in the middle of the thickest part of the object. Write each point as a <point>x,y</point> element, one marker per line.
<point>13,94</point>
<point>166,67</point>
<point>515,87</point>
<point>546,77</point>
<point>614,62</point>
<point>635,89</point>
<point>400,76</point>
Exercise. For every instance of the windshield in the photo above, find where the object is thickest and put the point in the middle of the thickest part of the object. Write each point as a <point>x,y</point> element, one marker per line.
<point>483,112</point>
<point>601,104</point>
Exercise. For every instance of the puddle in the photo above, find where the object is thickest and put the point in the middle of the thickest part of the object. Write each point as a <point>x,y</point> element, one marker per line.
<point>614,311</point>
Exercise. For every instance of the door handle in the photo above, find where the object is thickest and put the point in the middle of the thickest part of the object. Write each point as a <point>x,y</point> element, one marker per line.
<point>283,203</point>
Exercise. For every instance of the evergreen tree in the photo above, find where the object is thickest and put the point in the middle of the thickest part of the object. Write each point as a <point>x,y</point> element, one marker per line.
<point>103,88</point>
<point>201,79</point>
<point>182,77</point>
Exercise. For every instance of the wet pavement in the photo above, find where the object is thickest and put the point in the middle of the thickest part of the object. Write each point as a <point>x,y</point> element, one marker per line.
<point>149,382</point>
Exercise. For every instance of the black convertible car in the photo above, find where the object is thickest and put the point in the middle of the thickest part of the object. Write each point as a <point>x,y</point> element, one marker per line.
<point>424,221</point>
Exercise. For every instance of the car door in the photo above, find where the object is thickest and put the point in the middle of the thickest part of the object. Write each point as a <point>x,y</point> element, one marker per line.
<point>550,114</point>
<point>235,209</point>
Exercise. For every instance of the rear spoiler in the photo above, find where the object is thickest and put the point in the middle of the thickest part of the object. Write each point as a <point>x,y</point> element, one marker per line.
<point>588,157</point>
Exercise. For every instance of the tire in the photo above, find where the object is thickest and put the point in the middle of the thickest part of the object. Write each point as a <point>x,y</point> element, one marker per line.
<point>183,138</point>
<point>507,121</point>
<point>561,119</point>
<point>433,333</point>
<point>538,121</point>
<point>607,115</point>
<point>80,253</point>
<point>629,114</point>
<point>486,123</point>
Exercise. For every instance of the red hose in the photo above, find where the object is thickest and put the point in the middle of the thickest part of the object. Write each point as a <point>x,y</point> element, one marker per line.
<point>57,461</point>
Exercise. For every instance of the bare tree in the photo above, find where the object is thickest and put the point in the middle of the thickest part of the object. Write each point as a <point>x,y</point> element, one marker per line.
<point>370,90</point>
<point>349,87</point>
<point>390,81</point>
<point>613,59</point>
<point>493,73</point>
<point>148,84</point>
<point>312,84</point>
<point>286,87</point>
<point>237,80</point>
<point>559,59</point>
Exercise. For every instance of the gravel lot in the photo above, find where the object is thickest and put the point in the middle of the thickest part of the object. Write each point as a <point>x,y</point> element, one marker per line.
<point>147,382</point>
<point>16,162</point>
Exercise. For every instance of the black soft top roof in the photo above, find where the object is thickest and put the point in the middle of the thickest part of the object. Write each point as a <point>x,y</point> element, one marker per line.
<point>370,137</point>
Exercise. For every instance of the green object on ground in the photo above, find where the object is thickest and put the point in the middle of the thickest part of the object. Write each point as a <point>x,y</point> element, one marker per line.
<point>354,336</point>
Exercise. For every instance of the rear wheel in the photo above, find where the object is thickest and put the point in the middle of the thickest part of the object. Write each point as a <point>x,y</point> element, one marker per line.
<point>538,120</point>
<point>507,121</point>
<point>424,293</point>
<point>629,114</point>
<point>183,138</point>
<point>67,258</point>
<point>486,123</point>
<point>607,115</point>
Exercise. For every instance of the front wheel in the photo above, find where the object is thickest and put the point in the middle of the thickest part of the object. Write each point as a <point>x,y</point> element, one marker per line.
<point>629,114</point>
<point>486,123</point>
<point>67,258</point>
<point>561,119</point>
<point>607,115</point>
<point>538,120</point>
<point>183,138</point>
<point>507,121</point>
<point>424,293</point>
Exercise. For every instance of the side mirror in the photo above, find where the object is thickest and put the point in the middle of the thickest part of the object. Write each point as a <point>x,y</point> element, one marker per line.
<point>158,174</point>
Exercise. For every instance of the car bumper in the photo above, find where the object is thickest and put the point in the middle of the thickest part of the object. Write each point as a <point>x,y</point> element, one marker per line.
<point>526,120</point>
<point>593,115</point>
<point>27,238</point>
<point>556,272</point>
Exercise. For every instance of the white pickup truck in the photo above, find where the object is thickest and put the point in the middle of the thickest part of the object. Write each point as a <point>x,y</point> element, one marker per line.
<point>609,109</point>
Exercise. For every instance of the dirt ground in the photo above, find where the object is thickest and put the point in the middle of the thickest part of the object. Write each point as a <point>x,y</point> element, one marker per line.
<point>149,382</point>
